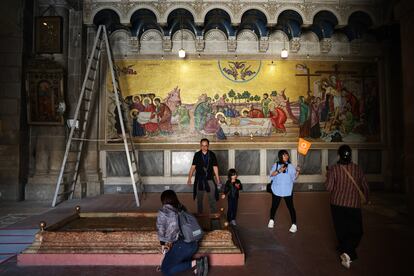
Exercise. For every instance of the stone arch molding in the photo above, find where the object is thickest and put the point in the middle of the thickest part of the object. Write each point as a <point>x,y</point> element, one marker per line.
<point>95,12</point>
<point>187,35</point>
<point>151,35</point>
<point>292,8</point>
<point>246,35</point>
<point>279,36</point>
<point>119,40</point>
<point>215,35</point>
<point>309,36</point>
<point>142,7</point>
<point>340,18</point>
<point>219,7</point>
<point>238,17</point>
<point>175,7</point>
<point>367,11</point>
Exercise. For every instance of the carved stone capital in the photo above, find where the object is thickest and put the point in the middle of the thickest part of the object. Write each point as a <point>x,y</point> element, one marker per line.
<point>294,45</point>
<point>134,44</point>
<point>325,45</point>
<point>263,44</point>
<point>355,46</point>
<point>200,44</point>
<point>232,44</point>
<point>167,44</point>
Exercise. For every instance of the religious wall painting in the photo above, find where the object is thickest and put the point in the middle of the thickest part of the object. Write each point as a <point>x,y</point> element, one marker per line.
<point>240,70</point>
<point>45,100</point>
<point>324,103</point>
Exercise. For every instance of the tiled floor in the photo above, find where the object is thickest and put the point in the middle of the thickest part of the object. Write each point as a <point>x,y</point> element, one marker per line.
<point>385,248</point>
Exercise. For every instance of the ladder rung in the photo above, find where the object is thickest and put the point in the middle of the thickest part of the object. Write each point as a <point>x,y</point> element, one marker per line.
<point>65,193</point>
<point>93,68</point>
<point>91,78</point>
<point>88,89</point>
<point>87,99</point>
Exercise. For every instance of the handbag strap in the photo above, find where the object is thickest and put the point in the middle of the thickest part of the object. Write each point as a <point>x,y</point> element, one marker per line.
<point>361,194</point>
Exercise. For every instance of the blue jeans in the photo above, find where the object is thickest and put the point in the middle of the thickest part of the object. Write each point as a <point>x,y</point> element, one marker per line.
<point>179,257</point>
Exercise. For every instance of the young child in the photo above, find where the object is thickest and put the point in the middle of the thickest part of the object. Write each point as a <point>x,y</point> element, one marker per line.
<point>231,189</point>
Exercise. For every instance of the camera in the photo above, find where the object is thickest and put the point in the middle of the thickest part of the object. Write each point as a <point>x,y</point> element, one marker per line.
<point>284,166</point>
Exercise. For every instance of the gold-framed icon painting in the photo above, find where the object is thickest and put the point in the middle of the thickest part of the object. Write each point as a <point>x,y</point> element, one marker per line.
<point>48,33</point>
<point>44,96</point>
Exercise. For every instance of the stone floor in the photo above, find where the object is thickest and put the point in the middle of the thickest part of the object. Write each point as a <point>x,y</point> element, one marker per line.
<point>384,250</point>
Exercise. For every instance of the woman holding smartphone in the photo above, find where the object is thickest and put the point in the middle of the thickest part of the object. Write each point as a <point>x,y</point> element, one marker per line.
<point>283,174</point>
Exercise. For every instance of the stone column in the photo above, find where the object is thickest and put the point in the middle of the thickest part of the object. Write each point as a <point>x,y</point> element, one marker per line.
<point>48,142</point>
<point>11,35</point>
<point>405,12</point>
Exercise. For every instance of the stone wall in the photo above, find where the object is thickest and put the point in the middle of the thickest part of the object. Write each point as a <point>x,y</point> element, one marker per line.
<point>11,51</point>
<point>405,13</point>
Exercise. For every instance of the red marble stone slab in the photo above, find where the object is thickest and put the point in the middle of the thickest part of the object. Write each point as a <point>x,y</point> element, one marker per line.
<point>116,259</point>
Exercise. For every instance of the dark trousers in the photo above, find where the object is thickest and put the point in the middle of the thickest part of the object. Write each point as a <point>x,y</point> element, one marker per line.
<point>289,203</point>
<point>178,258</point>
<point>232,208</point>
<point>211,198</point>
<point>348,227</point>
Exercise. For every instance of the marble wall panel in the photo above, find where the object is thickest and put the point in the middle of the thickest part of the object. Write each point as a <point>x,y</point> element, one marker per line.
<point>181,162</point>
<point>247,162</point>
<point>370,161</point>
<point>223,161</point>
<point>151,163</point>
<point>310,163</point>
<point>116,164</point>
<point>332,157</point>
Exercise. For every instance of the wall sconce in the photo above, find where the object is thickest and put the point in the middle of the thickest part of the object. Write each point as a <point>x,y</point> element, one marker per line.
<point>285,53</point>
<point>181,52</point>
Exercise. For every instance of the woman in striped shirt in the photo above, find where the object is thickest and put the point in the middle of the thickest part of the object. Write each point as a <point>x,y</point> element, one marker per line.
<point>348,187</point>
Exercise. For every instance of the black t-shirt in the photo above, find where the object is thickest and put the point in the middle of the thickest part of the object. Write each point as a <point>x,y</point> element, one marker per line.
<point>204,164</point>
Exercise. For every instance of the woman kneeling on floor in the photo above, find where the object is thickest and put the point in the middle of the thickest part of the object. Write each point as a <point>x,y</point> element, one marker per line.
<point>177,253</point>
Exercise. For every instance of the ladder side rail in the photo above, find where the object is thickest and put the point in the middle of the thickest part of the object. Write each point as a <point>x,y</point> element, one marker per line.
<point>121,120</point>
<point>84,126</point>
<point>68,143</point>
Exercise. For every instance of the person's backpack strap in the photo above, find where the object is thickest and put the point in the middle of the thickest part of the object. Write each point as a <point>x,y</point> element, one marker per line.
<point>361,194</point>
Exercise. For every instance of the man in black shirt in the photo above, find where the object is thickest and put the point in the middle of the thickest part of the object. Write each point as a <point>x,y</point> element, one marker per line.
<point>205,166</point>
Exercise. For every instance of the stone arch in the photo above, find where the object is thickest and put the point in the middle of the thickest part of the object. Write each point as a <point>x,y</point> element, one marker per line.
<point>147,7</point>
<point>215,34</point>
<point>287,8</point>
<point>187,35</point>
<point>219,7</point>
<point>309,36</point>
<point>278,36</point>
<point>95,12</point>
<point>246,35</point>
<point>367,12</point>
<point>339,37</point>
<point>176,7</point>
<point>244,10</point>
<point>334,12</point>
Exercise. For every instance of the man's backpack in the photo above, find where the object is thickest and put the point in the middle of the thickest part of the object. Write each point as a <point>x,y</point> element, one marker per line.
<point>189,227</point>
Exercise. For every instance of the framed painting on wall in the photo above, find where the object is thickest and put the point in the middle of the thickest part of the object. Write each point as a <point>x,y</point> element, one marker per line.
<point>45,96</point>
<point>48,31</point>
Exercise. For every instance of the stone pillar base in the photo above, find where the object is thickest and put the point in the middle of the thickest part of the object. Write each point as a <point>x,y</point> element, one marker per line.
<point>41,187</point>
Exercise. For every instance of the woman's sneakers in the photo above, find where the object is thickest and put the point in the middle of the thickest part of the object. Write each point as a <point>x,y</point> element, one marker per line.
<point>293,228</point>
<point>345,260</point>
<point>271,223</point>
<point>201,266</point>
